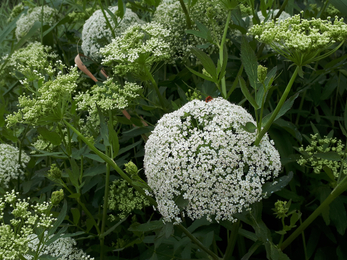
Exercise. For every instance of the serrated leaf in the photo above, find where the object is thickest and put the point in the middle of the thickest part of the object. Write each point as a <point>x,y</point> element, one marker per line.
<point>249,61</point>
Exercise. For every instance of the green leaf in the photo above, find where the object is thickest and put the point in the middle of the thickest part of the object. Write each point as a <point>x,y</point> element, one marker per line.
<point>341,5</point>
<point>200,75</point>
<point>203,33</point>
<point>103,127</point>
<point>338,215</point>
<point>249,61</point>
<point>270,77</point>
<point>247,94</point>
<point>279,183</point>
<point>249,127</point>
<point>111,229</point>
<point>121,8</point>
<point>113,138</point>
<point>286,106</point>
<point>129,147</point>
<point>251,250</point>
<point>206,61</point>
<point>59,220</point>
<point>52,137</point>
<point>74,174</point>
<point>149,226</point>
<point>76,215</point>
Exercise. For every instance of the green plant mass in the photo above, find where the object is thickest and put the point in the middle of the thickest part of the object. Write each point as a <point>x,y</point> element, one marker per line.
<point>173,129</point>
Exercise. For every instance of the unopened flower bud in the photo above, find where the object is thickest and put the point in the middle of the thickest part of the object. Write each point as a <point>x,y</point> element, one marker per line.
<point>262,72</point>
<point>57,197</point>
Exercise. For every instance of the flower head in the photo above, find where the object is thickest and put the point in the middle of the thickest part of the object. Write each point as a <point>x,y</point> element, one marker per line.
<point>170,14</point>
<point>138,49</point>
<point>11,166</point>
<point>301,40</point>
<point>96,34</point>
<point>25,22</point>
<point>199,160</point>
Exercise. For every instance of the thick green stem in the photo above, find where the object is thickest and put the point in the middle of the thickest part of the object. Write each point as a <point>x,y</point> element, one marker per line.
<point>232,240</point>
<point>111,162</point>
<point>278,107</point>
<point>333,195</point>
<point>186,13</point>
<point>198,243</point>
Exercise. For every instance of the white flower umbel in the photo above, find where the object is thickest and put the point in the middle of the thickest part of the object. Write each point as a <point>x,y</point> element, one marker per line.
<point>27,21</point>
<point>201,158</point>
<point>96,34</point>
<point>10,166</point>
<point>208,12</point>
<point>64,248</point>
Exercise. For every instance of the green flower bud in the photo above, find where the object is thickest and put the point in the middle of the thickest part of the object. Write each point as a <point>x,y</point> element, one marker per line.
<point>54,173</point>
<point>57,197</point>
<point>262,72</point>
<point>281,208</point>
<point>131,169</point>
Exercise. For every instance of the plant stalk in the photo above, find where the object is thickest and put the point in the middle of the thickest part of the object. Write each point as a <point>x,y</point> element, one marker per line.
<point>278,107</point>
<point>332,196</point>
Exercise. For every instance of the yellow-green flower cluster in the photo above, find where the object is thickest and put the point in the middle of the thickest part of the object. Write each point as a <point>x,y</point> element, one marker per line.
<point>124,199</point>
<point>281,209</point>
<point>24,220</point>
<point>138,49</point>
<point>321,153</point>
<point>298,39</point>
<point>49,103</point>
<point>108,96</point>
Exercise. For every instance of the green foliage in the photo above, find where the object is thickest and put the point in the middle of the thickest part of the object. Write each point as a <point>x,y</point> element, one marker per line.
<point>66,138</point>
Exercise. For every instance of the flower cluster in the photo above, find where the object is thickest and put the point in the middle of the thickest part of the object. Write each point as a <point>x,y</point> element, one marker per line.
<point>33,62</point>
<point>26,218</point>
<point>300,40</point>
<point>25,22</point>
<point>170,14</point>
<point>108,96</point>
<point>97,34</point>
<point>123,198</point>
<point>138,49</point>
<point>11,165</point>
<point>64,248</point>
<point>49,104</point>
<point>200,161</point>
<point>314,155</point>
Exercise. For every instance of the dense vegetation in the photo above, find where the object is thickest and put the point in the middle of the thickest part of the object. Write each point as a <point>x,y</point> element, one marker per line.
<point>173,129</point>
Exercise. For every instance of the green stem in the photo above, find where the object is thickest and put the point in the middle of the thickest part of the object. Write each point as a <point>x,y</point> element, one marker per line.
<point>186,13</point>
<point>161,100</point>
<point>278,107</point>
<point>111,162</point>
<point>104,213</point>
<point>332,196</point>
<point>89,215</point>
<point>221,54</point>
<point>232,241</point>
<point>198,243</point>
